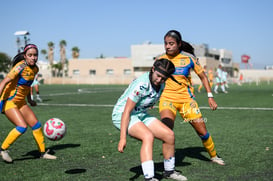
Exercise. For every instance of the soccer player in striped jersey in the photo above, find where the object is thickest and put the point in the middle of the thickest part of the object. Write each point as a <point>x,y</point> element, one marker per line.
<point>130,116</point>
<point>14,88</point>
<point>179,95</point>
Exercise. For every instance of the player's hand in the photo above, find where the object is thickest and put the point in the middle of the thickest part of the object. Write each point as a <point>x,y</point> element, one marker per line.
<point>121,145</point>
<point>32,103</point>
<point>212,104</point>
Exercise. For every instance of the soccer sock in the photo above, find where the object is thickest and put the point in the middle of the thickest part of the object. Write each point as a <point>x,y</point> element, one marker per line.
<point>13,135</point>
<point>169,164</point>
<point>208,144</point>
<point>38,136</point>
<point>31,97</point>
<point>223,88</point>
<point>215,88</point>
<point>148,169</point>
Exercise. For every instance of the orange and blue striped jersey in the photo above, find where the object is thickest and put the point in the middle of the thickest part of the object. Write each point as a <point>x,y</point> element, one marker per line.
<point>21,76</point>
<point>184,91</point>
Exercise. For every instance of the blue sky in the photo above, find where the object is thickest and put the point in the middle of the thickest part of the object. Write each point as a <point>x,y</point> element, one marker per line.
<point>110,27</point>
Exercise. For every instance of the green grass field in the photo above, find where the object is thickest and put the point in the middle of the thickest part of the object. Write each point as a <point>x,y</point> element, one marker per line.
<point>241,129</point>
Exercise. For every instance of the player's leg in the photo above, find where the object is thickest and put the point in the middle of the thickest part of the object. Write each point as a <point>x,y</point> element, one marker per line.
<point>37,92</point>
<point>223,87</point>
<point>14,115</point>
<point>164,133</point>
<point>37,131</point>
<point>201,130</point>
<point>200,87</point>
<point>141,132</point>
<point>216,87</point>
<point>31,92</point>
<point>167,112</point>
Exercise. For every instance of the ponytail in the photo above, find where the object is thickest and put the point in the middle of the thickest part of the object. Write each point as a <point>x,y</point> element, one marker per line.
<point>186,47</point>
<point>17,58</point>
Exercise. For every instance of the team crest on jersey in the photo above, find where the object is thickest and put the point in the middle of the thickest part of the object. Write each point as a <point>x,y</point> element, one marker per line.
<point>182,62</point>
<point>197,61</point>
<point>136,92</point>
<point>193,104</point>
<point>19,68</point>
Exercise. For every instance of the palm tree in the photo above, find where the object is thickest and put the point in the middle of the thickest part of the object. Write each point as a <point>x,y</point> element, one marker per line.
<point>75,52</point>
<point>50,54</point>
<point>44,52</point>
<point>62,53</point>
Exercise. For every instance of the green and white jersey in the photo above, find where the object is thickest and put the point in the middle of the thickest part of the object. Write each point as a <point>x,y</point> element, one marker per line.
<point>142,93</point>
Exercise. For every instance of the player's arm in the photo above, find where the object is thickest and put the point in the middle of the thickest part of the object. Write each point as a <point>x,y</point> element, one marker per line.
<point>3,84</point>
<point>205,83</point>
<point>30,101</point>
<point>125,119</point>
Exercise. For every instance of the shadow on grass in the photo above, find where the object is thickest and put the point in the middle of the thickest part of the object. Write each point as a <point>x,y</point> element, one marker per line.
<point>180,154</point>
<point>75,171</point>
<point>34,154</point>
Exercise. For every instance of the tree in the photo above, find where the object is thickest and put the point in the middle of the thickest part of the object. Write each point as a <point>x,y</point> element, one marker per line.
<point>62,51</point>
<point>44,52</point>
<point>75,52</point>
<point>5,62</point>
<point>50,54</point>
<point>63,54</point>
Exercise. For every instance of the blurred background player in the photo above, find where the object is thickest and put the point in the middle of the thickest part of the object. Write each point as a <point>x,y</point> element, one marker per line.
<point>209,74</point>
<point>130,116</point>
<point>224,78</point>
<point>178,95</point>
<point>219,81</point>
<point>14,89</point>
<point>35,86</point>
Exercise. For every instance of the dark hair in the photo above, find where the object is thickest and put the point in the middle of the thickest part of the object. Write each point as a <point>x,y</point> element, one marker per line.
<point>164,66</point>
<point>20,56</point>
<point>185,46</point>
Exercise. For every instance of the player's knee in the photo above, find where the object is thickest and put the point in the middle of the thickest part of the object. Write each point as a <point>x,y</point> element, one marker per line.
<point>37,125</point>
<point>20,129</point>
<point>168,122</point>
<point>205,137</point>
<point>148,138</point>
<point>170,137</point>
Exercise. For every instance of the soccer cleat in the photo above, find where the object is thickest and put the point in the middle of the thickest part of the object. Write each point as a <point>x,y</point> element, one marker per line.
<point>39,99</point>
<point>174,175</point>
<point>218,160</point>
<point>5,156</point>
<point>215,91</point>
<point>225,92</point>
<point>151,179</point>
<point>46,155</point>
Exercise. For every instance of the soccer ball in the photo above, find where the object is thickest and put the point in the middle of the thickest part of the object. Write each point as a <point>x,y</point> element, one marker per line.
<point>54,129</point>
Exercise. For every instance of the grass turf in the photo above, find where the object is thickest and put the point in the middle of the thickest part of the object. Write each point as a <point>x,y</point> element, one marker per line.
<point>242,135</point>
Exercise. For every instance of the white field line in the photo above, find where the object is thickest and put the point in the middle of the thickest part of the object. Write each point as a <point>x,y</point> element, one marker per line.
<point>108,105</point>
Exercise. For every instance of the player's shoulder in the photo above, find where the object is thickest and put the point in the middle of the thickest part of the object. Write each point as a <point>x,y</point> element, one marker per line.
<point>142,82</point>
<point>20,66</point>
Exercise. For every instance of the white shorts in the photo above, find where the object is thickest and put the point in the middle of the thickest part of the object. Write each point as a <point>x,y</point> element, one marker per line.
<point>218,80</point>
<point>134,118</point>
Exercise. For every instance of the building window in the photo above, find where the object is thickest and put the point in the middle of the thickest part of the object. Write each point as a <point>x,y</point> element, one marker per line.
<point>92,72</point>
<point>226,60</point>
<point>127,72</point>
<point>109,71</point>
<point>76,72</point>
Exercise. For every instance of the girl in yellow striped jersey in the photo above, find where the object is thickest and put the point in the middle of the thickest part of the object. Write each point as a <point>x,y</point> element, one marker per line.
<point>178,94</point>
<point>14,88</point>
